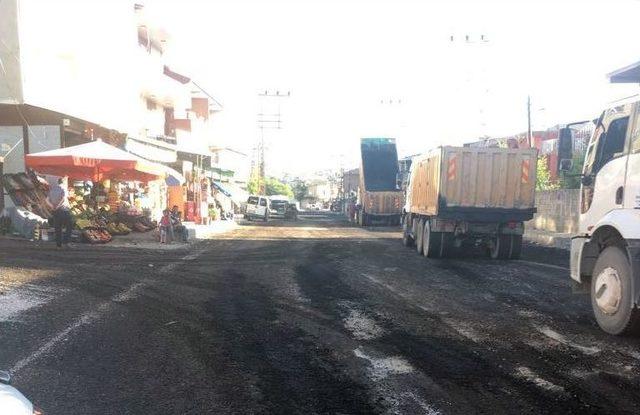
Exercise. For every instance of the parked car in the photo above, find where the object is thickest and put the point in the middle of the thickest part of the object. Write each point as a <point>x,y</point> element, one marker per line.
<point>257,208</point>
<point>12,402</point>
<point>278,206</point>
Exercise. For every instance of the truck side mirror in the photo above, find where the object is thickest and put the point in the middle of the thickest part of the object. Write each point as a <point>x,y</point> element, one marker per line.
<point>587,180</point>
<point>565,144</point>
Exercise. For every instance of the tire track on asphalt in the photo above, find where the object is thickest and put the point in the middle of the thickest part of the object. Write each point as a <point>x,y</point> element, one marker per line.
<point>555,364</point>
<point>102,309</point>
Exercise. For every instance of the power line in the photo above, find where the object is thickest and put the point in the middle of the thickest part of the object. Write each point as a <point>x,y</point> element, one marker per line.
<point>267,121</point>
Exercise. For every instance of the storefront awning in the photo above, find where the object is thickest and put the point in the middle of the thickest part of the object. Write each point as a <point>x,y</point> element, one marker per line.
<point>173,177</point>
<point>628,74</point>
<point>153,150</point>
<point>95,161</point>
<point>233,192</point>
<point>222,172</point>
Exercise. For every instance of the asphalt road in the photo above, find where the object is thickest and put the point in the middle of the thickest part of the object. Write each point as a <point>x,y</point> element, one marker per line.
<point>311,317</point>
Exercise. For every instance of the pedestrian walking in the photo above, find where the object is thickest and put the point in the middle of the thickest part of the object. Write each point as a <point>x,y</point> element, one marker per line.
<point>165,225</point>
<point>59,200</point>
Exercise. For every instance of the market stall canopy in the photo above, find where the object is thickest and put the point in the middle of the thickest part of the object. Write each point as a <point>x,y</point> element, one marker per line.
<point>95,161</point>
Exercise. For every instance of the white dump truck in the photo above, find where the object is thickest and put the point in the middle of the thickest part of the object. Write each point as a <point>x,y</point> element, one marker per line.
<point>605,254</point>
<point>476,195</point>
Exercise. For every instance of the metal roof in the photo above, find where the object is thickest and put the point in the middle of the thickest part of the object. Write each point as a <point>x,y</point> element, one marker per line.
<point>628,74</point>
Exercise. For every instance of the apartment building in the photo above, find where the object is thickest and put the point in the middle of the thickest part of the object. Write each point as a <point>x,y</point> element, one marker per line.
<point>67,80</point>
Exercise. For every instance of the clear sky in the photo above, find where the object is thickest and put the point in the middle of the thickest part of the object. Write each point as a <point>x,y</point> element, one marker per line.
<point>340,59</point>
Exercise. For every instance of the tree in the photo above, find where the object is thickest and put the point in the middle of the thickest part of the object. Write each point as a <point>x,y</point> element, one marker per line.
<point>571,180</point>
<point>253,186</point>
<point>300,189</point>
<point>274,186</point>
<point>543,176</point>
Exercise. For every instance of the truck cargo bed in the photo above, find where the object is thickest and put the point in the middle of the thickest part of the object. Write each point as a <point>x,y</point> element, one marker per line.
<point>471,183</point>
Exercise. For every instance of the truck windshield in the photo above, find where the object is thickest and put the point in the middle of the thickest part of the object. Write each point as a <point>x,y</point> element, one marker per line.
<point>253,200</point>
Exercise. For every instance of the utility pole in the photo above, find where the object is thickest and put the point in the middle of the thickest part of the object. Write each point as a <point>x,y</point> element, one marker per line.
<point>529,120</point>
<point>267,120</point>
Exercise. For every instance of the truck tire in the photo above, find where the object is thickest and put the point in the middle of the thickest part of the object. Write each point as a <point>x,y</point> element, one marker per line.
<point>446,249</point>
<point>516,246</point>
<point>431,242</point>
<point>611,293</point>
<point>419,235</point>
<point>365,219</point>
<point>407,240</point>
<point>266,217</point>
<point>502,247</point>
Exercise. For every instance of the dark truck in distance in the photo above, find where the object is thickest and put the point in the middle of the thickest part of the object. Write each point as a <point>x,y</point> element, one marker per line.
<point>379,198</point>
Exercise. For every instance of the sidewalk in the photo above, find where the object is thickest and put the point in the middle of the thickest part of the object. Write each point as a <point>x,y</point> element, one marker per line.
<point>149,240</point>
<point>208,231</point>
<point>546,238</point>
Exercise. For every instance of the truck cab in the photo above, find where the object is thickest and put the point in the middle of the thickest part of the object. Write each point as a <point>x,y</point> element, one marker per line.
<point>605,254</point>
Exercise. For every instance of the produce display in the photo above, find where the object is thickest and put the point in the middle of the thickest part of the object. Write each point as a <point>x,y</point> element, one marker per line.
<point>28,191</point>
<point>99,213</point>
<point>96,236</point>
<point>100,210</point>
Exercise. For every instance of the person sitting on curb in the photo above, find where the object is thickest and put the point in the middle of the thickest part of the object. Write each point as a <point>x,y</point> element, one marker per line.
<point>177,226</point>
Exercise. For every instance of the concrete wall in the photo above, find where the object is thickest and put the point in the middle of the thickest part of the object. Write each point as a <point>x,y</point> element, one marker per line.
<point>558,211</point>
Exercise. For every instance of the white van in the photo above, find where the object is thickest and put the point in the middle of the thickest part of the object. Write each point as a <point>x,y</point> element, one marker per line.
<point>257,208</point>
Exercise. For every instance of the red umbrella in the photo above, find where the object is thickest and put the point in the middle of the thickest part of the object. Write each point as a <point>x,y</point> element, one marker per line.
<point>94,161</point>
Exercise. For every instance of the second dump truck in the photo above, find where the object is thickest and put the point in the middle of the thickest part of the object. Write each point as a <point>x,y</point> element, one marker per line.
<point>477,195</point>
<point>379,198</point>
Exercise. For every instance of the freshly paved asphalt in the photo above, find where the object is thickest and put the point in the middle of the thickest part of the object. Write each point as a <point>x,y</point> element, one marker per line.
<point>308,317</point>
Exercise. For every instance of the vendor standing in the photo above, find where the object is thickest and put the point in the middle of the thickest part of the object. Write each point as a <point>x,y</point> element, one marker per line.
<point>59,199</point>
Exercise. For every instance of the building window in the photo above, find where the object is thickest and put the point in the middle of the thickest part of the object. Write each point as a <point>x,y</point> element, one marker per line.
<point>151,105</point>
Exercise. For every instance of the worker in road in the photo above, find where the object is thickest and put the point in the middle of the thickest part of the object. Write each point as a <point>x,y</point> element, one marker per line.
<point>59,200</point>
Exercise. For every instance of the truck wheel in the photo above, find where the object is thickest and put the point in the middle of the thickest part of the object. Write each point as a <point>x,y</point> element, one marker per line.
<point>446,244</point>
<point>266,217</point>
<point>501,247</point>
<point>419,235</point>
<point>611,293</point>
<point>407,240</point>
<point>247,217</point>
<point>431,242</point>
<point>516,246</point>
<point>365,219</point>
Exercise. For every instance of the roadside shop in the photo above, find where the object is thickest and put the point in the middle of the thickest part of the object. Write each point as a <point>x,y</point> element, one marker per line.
<point>111,192</point>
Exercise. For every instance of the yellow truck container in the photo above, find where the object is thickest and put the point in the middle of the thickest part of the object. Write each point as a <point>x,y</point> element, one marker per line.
<point>462,194</point>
